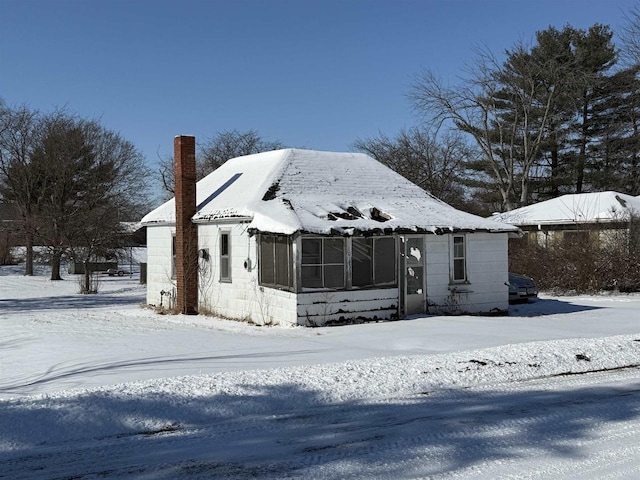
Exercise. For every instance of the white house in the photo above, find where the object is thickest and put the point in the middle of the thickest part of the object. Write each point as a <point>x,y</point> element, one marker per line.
<point>306,237</point>
<point>576,216</point>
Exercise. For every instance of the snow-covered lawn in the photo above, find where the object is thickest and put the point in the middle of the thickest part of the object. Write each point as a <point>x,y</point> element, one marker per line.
<point>100,387</point>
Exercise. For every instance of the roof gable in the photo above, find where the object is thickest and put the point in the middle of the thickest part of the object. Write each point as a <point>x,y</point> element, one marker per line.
<point>576,208</point>
<point>287,191</point>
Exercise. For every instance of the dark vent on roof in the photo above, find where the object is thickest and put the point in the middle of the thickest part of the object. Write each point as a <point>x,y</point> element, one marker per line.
<point>351,213</point>
<point>271,193</point>
<point>287,202</point>
<point>355,212</point>
<point>379,215</point>
<point>622,201</point>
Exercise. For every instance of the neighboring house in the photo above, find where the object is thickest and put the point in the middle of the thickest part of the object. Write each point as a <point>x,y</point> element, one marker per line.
<point>305,237</point>
<point>578,216</point>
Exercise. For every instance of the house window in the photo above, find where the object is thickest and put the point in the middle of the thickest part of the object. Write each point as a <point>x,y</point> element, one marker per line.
<point>322,263</point>
<point>173,256</point>
<point>275,261</point>
<point>373,261</point>
<point>459,259</point>
<point>575,237</point>
<point>225,256</point>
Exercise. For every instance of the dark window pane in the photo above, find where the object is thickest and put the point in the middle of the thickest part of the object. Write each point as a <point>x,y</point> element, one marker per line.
<point>224,244</point>
<point>334,276</point>
<point>333,250</point>
<point>282,263</point>
<point>458,269</point>
<point>385,261</point>
<point>311,251</point>
<point>225,266</point>
<point>311,276</point>
<point>267,266</point>
<point>362,262</point>
<point>173,257</point>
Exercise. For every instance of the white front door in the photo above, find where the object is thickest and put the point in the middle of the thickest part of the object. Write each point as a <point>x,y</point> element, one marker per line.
<point>414,283</point>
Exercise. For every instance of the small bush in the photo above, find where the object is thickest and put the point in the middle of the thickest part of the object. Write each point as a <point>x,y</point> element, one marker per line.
<point>89,283</point>
<point>587,262</point>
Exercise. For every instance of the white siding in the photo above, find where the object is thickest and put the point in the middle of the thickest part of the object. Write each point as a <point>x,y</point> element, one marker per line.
<point>243,298</point>
<point>159,265</point>
<point>319,308</point>
<point>487,271</point>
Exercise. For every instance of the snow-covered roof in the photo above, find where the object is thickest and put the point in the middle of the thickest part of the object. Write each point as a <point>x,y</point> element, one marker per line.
<point>576,208</point>
<point>292,190</point>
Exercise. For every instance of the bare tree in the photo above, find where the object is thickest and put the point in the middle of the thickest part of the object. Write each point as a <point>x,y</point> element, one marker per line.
<point>114,192</point>
<point>503,107</point>
<point>92,180</point>
<point>631,36</point>
<point>214,151</point>
<point>436,164</point>
<point>473,109</point>
<point>19,182</point>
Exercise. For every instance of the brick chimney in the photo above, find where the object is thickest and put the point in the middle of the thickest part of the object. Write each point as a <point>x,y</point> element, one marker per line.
<point>184,148</point>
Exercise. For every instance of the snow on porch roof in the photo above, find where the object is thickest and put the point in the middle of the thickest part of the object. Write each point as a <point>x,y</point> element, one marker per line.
<point>572,209</point>
<point>292,190</point>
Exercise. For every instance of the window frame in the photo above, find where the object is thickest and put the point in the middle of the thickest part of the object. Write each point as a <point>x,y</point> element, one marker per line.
<point>456,258</point>
<point>274,240</point>
<point>375,259</point>
<point>225,256</point>
<point>174,249</point>
<point>323,264</point>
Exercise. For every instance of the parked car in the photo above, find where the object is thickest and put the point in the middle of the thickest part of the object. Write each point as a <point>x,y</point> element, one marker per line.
<point>112,272</point>
<point>521,288</point>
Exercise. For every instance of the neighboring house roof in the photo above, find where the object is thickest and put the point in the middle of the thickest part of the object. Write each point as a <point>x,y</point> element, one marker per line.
<point>292,190</point>
<point>573,209</point>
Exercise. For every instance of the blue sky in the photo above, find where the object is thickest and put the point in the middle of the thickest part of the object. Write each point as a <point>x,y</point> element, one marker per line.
<point>312,74</point>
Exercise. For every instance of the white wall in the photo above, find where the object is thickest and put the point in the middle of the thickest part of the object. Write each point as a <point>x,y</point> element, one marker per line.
<point>487,272</point>
<point>243,298</point>
<point>318,308</point>
<point>159,261</point>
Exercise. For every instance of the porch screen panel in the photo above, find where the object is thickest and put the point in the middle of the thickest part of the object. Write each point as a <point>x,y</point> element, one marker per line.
<point>362,262</point>
<point>333,260</point>
<point>275,261</point>
<point>282,263</point>
<point>385,261</point>
<point>312,263</point>
<point>373,261</point>
<point>267,260</point>
<point>322,262</point>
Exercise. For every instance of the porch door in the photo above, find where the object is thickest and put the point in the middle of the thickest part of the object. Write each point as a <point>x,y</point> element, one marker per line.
<point>414,291</point>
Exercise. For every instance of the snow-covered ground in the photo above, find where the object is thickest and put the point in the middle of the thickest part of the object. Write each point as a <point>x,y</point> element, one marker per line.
<point>99,387</point>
